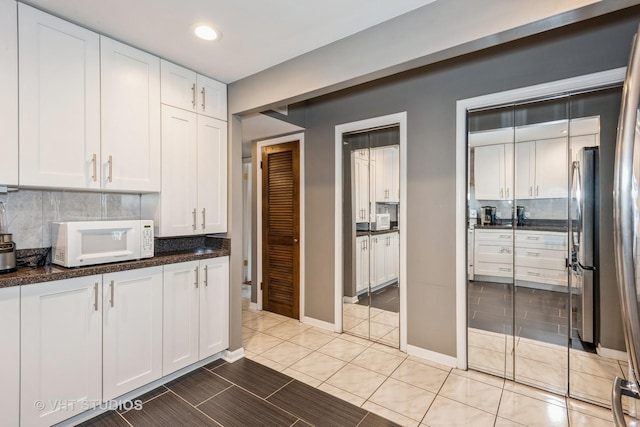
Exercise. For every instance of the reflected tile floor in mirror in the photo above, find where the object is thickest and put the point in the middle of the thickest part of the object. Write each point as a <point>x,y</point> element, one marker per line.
<point>407,390</point>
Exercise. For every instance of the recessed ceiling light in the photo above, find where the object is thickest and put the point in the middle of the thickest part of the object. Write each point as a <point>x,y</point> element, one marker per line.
<point>205,32</point>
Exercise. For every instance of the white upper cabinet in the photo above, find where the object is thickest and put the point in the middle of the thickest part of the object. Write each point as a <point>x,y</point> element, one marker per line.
<point>193,199</point>
<point>179,87</point>
<point>212,98</point>
<point>361,185</point>
<point>130,87</point>
<point>59,92</point>
<point>551,168</point>
<point>493,172</point>
<point>183,88</point>
<point>525,170</point>
<point>175,210</point>
<point>387,175</point>
<point>212,175</point>
<point>9,91</point>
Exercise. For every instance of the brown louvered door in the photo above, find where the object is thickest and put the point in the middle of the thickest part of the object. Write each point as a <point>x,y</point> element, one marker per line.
<point>281,229</point>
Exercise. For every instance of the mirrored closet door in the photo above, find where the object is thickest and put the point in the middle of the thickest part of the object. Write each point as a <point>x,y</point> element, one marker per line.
<point>371,179</point>
<point>540,279</point>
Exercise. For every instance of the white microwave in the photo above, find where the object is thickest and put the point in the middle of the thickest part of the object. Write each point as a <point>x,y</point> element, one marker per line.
<point>383,222</point>
<point>80,243</point>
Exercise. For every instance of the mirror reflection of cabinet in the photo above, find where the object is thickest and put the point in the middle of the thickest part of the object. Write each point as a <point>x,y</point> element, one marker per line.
<point>529,296</point>
<point>371,173</point>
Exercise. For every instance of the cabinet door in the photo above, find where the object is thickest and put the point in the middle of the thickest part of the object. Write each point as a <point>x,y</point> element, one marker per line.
<point>59,92</point>
<point>61,349</point>
<point>362,264</point>
<point>10,354</point>
<point>180,316</point>
<point>9,91</point>
<point>394,184</point>
<point>378,266</point>
<point>551,168</point>
<point>214,306</point>
<point>212,175</point>
<point>525,170</point>
<point>130,99</point>
<point>132,328</point>
<point>381,173</point>
<point>212,98</point>
<point>361,188</point>
<point>489,172</point>
<point>508,173</point>
<point>178,86</point>
<point>179,173</point>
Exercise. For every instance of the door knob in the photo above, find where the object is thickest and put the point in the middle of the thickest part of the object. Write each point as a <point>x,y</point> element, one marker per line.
<point>295,240</point>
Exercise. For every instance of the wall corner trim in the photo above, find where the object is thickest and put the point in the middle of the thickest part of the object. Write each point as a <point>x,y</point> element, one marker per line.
<point>233,355</point>
<point>318,323</point>
<point>432,356</point>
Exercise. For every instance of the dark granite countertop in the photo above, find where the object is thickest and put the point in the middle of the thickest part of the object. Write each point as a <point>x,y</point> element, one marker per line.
<point>374,233</point>
<point>30,275</point>
<point>531,225</point>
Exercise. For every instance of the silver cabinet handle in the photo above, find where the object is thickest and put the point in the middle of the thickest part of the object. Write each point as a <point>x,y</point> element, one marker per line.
<point>95,296</point>
<point>507,192</point>
<point>193,95</point>
<point>94,161</point>
<point>113,299</point>
<point>197,270</point>
<point>203,218</point>
<point>203,96</point>
<point>530,191</point>
<point>194,218</point>
<point>505,236</point>
<point>206,275</point>
<point>537,190</point>
<point>110,162</point>
<point>533,253</point>
<point>504,269</point>
<point>533,238</point>
<point>532,273</point>
<point>502,193</point>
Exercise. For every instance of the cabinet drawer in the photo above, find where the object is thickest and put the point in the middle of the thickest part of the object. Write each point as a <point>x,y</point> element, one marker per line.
<point>494,253</point>
<point>540,258</point>
<point>498,236</point>
<point>493,269</point>
<point>541,275</point>
<point>541,240</point>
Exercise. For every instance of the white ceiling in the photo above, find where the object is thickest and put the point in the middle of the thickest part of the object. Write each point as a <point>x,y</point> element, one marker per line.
<point>256,34</point>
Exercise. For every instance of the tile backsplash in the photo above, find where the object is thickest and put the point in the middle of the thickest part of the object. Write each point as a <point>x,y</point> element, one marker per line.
<point>30,212</point>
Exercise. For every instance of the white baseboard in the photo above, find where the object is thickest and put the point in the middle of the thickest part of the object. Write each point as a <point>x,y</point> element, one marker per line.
<point>432,356</point>
<point>350,300</point>
<point>612,354</point>
<point>318,323</point>
<point>254,306</point>
<point>233,356</point>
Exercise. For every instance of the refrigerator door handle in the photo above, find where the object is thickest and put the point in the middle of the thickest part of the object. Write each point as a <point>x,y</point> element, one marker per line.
<point>623,209</point>
<point>586,267</point>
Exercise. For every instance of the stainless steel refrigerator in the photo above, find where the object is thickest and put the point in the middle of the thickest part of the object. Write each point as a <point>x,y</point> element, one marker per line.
<point>583,225</point>
<point>626,217</point>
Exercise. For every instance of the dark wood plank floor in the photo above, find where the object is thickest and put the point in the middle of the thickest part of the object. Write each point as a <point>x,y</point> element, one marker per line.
<point>539,314</point>
<point>241,394</point>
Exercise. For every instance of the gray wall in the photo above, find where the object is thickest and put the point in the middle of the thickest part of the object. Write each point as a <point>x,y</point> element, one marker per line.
<point>429,96</point>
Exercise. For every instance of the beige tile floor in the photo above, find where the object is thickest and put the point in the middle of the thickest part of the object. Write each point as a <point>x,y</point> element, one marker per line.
<point>408,390</point>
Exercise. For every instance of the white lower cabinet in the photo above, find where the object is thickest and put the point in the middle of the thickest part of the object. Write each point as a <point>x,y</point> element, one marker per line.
<point>214,306</point>
<point>362,264</point>
<point>10,355</point>
<point>493,253</point>
<point>61,349</point>
<point>540,257</point>
<point>132,328</point>
<point>196,311</point>
<point>385,254</point>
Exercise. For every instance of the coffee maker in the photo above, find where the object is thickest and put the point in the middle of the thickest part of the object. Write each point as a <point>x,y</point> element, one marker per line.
<point>488,215</point>
<point>7,247</point>
<point>520,216</point>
